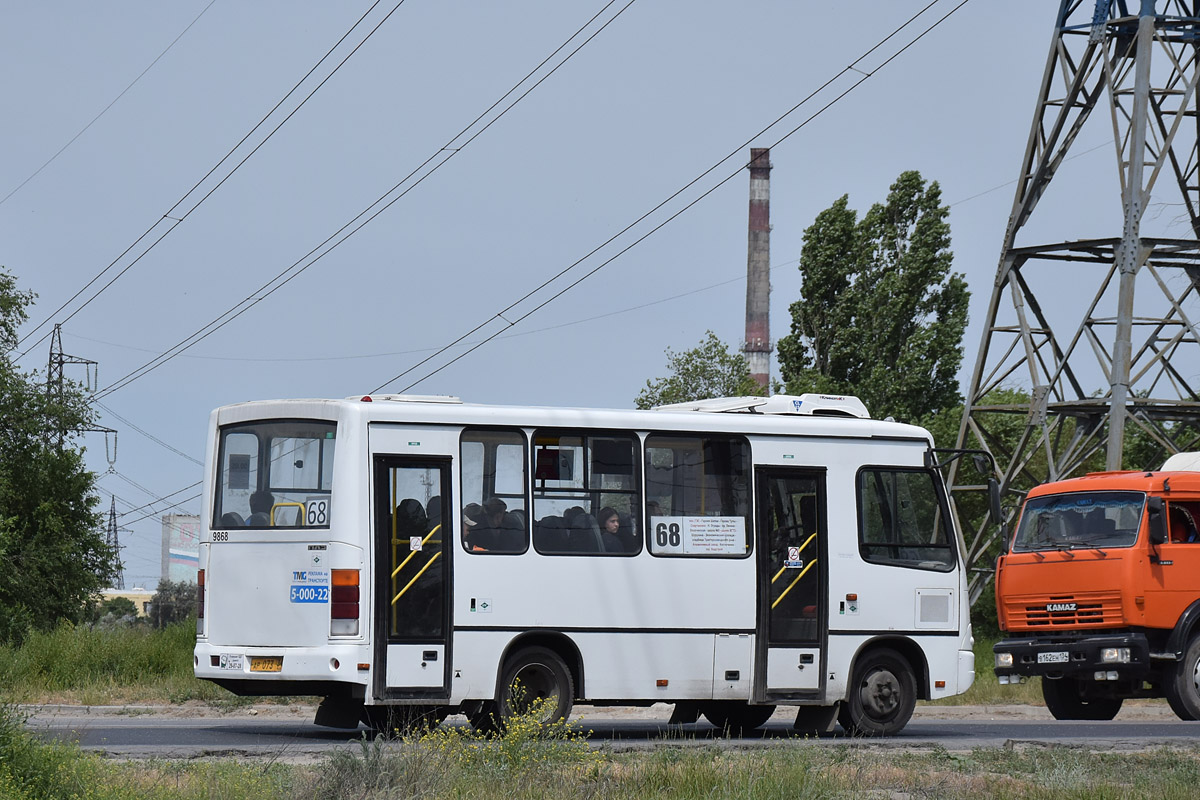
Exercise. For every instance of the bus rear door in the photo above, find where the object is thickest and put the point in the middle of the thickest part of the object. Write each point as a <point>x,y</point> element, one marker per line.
<point>412,572</point>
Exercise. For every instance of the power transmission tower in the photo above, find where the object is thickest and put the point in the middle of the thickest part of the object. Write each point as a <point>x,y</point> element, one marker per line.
<point>1067,357</point>
<point>55,377</point>
<point>114,543</point>
<point>56,387</point>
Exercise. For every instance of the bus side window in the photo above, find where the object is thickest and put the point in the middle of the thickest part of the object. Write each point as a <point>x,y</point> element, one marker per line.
<point>492,469</point>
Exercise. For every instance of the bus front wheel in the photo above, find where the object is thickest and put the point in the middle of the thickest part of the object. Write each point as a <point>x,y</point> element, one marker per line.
<point>883,694</point>
<point>1182,686</point>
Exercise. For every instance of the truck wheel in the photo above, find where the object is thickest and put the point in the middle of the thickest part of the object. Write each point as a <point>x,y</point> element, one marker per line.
<point>1065,700</point>
<point>1182,686</point>
<point>882,696</point>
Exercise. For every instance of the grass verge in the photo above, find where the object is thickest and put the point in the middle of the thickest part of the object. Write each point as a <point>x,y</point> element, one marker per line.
<point>73,664</point>
<point>536,761</point>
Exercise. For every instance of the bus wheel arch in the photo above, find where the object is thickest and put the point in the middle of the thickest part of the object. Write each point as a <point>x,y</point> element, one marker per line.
<point>557,642</point>
<point>887,677</point>
<point>547,666</point>
<point>909,650</point>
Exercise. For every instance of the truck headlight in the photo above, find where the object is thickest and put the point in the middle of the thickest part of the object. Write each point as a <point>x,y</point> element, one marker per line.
<point>1004,660</point>
<point>1114,655</point>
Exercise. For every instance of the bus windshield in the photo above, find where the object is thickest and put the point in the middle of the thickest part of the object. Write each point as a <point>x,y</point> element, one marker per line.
<point>275,475</point>
<point>1080,520</point>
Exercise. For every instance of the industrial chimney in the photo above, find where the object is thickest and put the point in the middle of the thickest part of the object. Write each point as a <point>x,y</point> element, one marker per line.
<point>758,268</point>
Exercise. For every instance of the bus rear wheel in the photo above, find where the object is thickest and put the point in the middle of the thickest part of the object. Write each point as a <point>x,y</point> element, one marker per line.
<point>1182,686</point>
<point>734,717</point>
<point>1065,700</point>
<point>883,694</point>
<point>535,683</point>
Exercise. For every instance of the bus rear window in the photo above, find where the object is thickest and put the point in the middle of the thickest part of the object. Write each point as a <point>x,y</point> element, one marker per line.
<point>276,474</point>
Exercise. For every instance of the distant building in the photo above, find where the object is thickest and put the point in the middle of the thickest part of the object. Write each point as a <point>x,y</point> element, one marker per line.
<point>139,596</point>
<point>180,547</point>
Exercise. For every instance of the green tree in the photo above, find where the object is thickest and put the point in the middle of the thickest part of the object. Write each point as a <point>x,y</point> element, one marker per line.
<point>52,548</point>
<point>707,370</point>
<point>880,315</point>
<point>114,608</point>
<point>173,601</point>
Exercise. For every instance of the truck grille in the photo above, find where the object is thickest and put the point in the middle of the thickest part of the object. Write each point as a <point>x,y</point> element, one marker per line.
<point>1092,609</point>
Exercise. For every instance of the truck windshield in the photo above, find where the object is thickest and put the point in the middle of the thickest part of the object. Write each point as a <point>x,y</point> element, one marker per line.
<point>1080,520</point>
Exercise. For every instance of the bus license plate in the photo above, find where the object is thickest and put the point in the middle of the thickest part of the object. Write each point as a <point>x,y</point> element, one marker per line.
<point>266,663</point>
<point>1043,658</point>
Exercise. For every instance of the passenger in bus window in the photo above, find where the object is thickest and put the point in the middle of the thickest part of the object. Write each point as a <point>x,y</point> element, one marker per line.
<point>610,523</point>
<point>260,509</point>
<point>472,513</point>
<point>433,511</point>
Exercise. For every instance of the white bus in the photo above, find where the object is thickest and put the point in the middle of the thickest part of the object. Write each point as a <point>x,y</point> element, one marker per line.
<point>409,557</point>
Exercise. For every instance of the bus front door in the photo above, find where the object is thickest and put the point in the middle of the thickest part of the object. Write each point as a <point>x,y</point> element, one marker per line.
<point>792,581</point>
<point>412,619</point>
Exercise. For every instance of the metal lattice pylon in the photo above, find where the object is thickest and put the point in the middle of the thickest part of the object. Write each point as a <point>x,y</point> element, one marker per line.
<point>1062,326</point>
<point>112,539</point>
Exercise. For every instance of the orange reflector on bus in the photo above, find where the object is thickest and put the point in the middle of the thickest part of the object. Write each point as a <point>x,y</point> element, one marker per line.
<point>363,667</point>
<point>661,683</point>
<point>939,684</point>
<point>345,577</point>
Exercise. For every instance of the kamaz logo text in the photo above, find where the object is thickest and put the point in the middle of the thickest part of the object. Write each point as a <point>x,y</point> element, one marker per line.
<point>1060,606</point>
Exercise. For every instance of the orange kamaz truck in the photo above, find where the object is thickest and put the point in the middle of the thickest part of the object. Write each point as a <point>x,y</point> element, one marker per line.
<point>1098,593</point>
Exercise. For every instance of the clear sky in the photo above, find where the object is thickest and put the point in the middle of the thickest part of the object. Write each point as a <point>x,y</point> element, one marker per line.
<point>656,98</point>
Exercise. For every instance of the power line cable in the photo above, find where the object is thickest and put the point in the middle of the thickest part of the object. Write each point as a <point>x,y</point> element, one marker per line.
<point>368,214</point>
<point>104,111</point>
<point>149,436</point>
<point>392,354</point>
<point>508,309</point>
<point>175,221</point>
<point>163,511</point>
<point>163,499</point>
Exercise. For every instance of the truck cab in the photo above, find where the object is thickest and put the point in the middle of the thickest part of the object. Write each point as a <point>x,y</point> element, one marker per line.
<point>1098,593</point>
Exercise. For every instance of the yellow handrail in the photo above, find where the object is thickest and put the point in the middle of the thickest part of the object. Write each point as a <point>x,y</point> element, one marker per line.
<point>783,594</point>
<point>413,552</point>
<point>428,564</point>
<point>781,569</point>
<point>286,504</point>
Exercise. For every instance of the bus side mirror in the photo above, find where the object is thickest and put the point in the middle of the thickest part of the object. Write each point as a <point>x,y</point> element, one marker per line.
<point>1158,520</point>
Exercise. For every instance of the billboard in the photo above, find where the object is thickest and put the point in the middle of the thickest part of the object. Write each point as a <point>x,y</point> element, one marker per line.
<point>180,547</point>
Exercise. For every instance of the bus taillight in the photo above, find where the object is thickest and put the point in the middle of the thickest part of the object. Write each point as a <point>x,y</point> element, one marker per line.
<point>343,611</point>
<point>200,602</point>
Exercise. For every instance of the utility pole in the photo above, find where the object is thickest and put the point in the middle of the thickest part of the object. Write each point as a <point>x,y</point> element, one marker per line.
<point>1090,364</point>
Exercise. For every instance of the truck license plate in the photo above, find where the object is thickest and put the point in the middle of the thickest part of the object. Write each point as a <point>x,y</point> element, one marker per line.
<point>1053,658</point>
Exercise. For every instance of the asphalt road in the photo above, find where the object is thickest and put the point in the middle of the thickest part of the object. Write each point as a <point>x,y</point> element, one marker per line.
<point>274,733</point>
